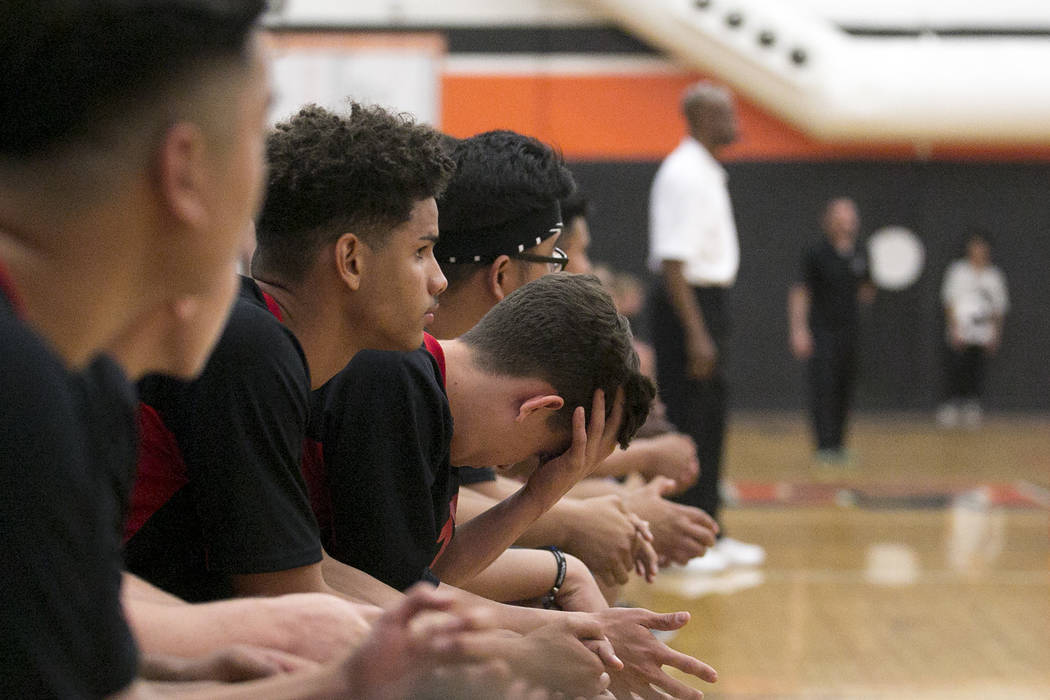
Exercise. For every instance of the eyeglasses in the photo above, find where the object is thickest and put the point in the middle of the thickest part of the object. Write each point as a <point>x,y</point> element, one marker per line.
<point>555,263</point>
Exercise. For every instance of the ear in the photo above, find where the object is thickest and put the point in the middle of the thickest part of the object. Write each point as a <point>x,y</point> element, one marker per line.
<point>349,260</point>
<point>539,404</point>
<point>181,173</point>
<point>496,279</point>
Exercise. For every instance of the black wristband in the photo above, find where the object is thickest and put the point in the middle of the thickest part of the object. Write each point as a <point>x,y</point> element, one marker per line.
<point>549,599</point>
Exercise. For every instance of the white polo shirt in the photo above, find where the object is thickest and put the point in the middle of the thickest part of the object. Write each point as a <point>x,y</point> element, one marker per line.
<point>691,217</point>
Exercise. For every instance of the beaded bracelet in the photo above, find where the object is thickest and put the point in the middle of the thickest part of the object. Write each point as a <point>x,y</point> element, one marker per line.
<point>549,598</point>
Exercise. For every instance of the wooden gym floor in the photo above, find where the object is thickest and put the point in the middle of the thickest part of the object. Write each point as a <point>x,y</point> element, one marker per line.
<point>922,572</point>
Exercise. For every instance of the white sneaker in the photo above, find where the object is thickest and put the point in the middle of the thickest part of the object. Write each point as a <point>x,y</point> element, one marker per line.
<point>739,553</point>
<point>972,414</point>
<point>712,562</point>
<point>948,415</point>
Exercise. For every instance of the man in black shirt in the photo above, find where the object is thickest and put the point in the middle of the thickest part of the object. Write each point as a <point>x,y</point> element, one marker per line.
<point>114,149</point>
<point>343,263</point>
<point>823,311</point>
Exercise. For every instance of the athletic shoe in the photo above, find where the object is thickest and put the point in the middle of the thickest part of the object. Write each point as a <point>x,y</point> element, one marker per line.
<point>971,414</point>
<point>835,458</point>
<point>948,415</point>
<point>739,553</point>
<point>712,562</point>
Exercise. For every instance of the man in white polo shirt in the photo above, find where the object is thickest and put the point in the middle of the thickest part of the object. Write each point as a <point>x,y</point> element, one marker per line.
<point>693,249</point>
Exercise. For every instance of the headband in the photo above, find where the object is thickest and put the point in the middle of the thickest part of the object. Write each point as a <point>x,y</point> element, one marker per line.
<point>475,245</point>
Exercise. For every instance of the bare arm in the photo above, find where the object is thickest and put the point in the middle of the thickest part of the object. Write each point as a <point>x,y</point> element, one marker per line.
<point>798,320</point>
<point>327,576</point>
<point>701,353</point>
<point>314,626</point>
<point>520,575</point>
<point>602,532</point>
<point>357,584</point>
<point>672,455</point>
<point>398,659</point>
<point>680,532</point>
<point>478,542</point>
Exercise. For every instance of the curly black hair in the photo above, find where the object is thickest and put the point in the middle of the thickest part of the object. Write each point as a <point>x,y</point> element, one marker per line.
<point>332,174</point>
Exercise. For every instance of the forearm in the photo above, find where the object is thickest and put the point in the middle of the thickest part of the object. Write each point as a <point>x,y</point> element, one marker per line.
<point>474,501</point>
<point>623,462</point>
<point>314,684</point>
<point>187,630</point>
<point>166,625</point>
<point>133,587</point>
<point>516,575</point>
<point>682,299</point>
<point>481,540</point>
<point>497,490</point>
<point>515,618</point>
<point>358,586</point>
<point>593,488</point>
<point>798,308</point>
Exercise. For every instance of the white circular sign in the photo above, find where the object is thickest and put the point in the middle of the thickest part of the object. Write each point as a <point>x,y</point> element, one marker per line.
<point>896,257</point>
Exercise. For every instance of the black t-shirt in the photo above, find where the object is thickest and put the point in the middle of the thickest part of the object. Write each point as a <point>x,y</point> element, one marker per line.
<point>388,490</point>
<point>219,490</point>
<point>110,405</point>
<point>63,630</point>
<point>833,280</point>
<point>475,475</point>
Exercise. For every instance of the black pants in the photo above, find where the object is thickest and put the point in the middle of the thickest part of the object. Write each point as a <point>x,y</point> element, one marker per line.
<point>965,371</point>
<point>832,375</point>
<point>697,408</point>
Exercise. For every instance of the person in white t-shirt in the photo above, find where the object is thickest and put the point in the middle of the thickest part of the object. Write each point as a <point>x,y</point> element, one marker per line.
<point>694,253</point>
<point>975,303</point>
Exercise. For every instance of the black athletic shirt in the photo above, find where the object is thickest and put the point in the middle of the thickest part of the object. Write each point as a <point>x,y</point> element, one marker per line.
<point>833,280</point>
<point>475,475</point>
<point>62,630</point>
<point>386,496</point>
<point>219,489</point>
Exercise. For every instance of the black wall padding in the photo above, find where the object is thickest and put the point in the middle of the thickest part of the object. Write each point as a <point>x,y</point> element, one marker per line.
<point>777,207</point>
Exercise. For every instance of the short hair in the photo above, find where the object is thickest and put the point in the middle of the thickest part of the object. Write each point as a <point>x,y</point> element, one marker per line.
<point>976,234</point>
<point>331,174</point>
<point>699,98</point>
<point>564,329</point>
<point>72,71</point>
<point>979,233</point>
<point>500,177</point>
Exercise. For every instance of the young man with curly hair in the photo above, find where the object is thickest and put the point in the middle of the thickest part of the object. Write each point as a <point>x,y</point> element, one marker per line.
<point>344,262</point>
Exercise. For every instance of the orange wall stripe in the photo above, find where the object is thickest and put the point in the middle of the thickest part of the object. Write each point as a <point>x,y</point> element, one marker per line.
<point>635,117</point>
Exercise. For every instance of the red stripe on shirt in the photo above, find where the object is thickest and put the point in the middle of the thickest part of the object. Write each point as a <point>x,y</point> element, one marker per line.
<point>161,470</point>
<point>435,349</point>
<point>273,306</point>
<point>7,289</point>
